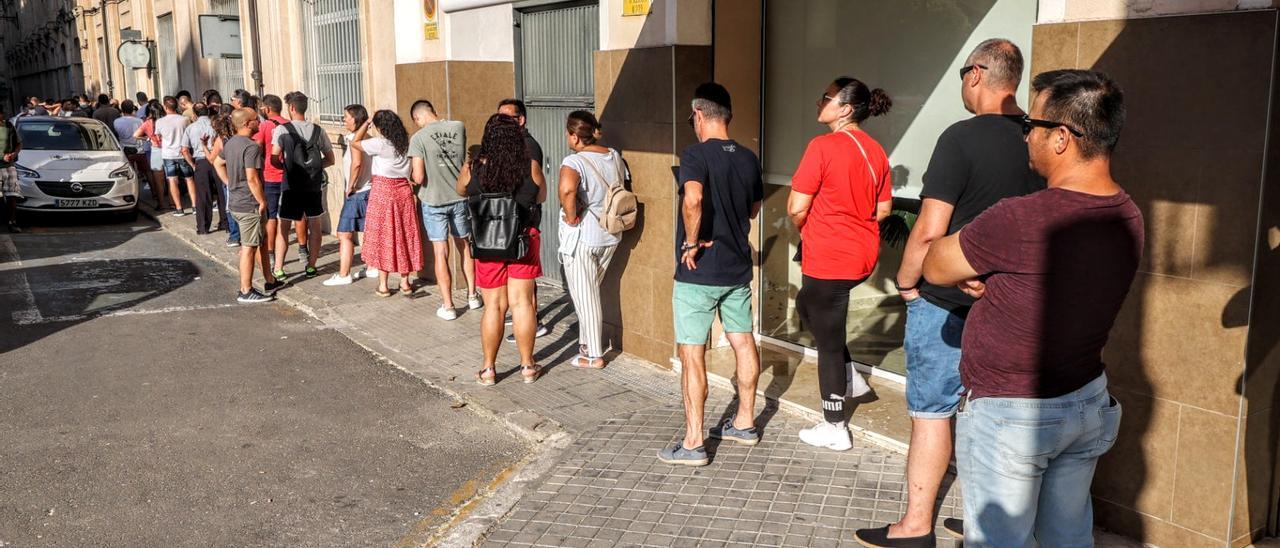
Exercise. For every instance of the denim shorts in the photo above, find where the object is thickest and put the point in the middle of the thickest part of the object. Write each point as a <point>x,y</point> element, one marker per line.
<point>440,221</point>
<point>178,168</point>
<point>271,191</point>
<point>695,306</point>
<point>352,217</point>
<point>932,345</point>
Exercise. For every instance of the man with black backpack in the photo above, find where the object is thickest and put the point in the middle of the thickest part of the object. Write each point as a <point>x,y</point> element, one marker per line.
<point>303,150</point>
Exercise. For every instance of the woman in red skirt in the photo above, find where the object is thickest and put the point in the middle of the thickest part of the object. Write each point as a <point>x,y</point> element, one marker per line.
<point>391,239</point>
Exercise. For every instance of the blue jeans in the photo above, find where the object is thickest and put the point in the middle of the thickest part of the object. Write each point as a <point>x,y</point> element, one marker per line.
<point>233,228</point>
<point>932,345</point>
<point>1026,466</point>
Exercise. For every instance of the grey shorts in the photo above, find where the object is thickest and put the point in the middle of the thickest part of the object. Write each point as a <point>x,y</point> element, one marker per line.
<point>251,231</point>
<point>9,182</point>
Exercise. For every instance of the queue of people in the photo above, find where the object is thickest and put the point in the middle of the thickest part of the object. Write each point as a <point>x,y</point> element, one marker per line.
<point>1018,213</point>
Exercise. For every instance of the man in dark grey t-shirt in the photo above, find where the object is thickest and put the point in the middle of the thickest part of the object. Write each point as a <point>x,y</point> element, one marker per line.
<point>247,203</point>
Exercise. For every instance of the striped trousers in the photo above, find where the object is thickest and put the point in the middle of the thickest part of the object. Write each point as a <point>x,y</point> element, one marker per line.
<point>583,273</point>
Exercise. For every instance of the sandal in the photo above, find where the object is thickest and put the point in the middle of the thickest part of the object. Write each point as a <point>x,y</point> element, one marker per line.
<point>530,373</point>
<point>582,361</point>
<point>489,380</point>
<point>382,292</point>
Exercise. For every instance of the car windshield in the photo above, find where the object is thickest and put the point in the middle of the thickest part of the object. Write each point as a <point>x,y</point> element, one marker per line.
<point>65,135</point>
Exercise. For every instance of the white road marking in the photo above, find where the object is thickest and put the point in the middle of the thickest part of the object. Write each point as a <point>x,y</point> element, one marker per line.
<point>130,312</point>
<point>29,313</point>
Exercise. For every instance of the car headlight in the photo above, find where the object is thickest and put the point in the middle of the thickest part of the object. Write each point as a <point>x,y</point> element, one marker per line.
<point>124,172</point>
<point>26,173</point>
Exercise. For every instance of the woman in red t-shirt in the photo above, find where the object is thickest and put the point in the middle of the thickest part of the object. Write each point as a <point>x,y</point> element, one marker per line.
<point>839,194</point>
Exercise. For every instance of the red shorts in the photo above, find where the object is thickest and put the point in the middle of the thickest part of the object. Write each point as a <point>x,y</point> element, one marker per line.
<point>494,274</point>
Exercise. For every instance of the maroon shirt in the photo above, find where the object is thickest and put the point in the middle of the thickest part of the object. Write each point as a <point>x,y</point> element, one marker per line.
<point>1057,265</point>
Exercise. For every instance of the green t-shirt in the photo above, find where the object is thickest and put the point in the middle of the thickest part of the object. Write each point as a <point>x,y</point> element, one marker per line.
<point>442,146</point>
<point>9,141</point>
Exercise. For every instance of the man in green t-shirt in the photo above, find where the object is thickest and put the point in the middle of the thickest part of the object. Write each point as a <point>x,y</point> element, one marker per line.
<point>10,145</point>
<point>438,151</point>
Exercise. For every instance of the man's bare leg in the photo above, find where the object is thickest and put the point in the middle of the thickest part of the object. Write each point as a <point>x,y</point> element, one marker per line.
<point>927,460</point>
<point>693,385</point>
<point>748,372</point>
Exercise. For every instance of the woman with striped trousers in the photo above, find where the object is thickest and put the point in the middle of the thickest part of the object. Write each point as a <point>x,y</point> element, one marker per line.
<point>585,247</point>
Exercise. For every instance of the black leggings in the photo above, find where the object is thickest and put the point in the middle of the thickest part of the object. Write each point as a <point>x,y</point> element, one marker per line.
<point>823,306</point>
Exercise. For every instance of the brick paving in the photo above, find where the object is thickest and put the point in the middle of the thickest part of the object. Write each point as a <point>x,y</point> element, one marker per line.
<point>608,487</point>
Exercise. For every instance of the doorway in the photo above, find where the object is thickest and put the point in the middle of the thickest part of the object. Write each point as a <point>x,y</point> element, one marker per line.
<point>555,75</point>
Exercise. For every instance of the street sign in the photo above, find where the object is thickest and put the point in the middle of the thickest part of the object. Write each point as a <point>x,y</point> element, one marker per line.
<point>130,34</point>
<point>134,54</point>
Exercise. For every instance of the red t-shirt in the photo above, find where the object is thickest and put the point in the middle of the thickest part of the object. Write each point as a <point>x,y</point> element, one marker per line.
<point>270,173</point>
<point>841,236</point>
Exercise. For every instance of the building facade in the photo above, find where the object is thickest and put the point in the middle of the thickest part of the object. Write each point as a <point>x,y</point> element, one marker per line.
<point>1193,357</point>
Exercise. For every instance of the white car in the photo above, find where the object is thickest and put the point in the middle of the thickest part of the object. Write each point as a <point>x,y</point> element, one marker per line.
<point>74,164</point>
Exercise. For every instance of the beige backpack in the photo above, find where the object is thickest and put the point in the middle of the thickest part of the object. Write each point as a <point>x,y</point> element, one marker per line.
<point>620,205</point>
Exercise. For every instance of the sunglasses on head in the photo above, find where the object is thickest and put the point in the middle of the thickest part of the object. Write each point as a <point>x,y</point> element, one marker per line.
<point>1028,122</point>
<point>691,119</point>
<point>965,70</point>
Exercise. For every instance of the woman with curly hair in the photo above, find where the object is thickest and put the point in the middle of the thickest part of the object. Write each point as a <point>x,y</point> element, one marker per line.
<point>502,165</point>
<point>222,127</point>
<point>392,242</point>
<point>147,130</point>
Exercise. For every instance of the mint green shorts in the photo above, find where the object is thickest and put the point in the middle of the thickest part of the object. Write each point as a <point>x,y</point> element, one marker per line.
<point>695,306</point>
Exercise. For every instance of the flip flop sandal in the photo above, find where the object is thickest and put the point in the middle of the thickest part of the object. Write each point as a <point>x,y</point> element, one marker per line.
<point>525,373</point>
<point>584,362</point>
<point>487,381</point>
<point>382,293</point>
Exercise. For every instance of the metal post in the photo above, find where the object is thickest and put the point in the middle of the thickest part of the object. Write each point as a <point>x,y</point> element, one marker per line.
<point>256,74</point>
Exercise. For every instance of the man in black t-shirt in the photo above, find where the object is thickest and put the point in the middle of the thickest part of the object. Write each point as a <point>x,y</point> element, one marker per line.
<point>976,163</point>
<point>515,108</point>
<point>721,190</point>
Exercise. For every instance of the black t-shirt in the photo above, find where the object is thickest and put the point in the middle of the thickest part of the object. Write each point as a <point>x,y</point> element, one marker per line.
<point>976,163</point>
<point>731,186</point>
<point>527,194</point>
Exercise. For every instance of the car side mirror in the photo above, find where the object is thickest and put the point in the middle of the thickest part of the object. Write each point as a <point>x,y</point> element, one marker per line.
<point>130,151</point>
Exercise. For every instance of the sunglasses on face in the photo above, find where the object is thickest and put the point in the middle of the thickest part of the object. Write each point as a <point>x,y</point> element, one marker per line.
<point>1028,122</point>
<point>822,101</point>
<point>965,70</point>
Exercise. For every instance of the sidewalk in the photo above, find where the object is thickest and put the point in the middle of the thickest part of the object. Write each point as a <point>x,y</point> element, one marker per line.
<point>598,481</point>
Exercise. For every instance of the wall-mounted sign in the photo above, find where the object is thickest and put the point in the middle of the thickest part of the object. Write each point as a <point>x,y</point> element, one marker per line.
<point>635,7</point>
<point>431,28</point>
<point>219,36</point>
<point>130,34</point>
<point>134,54</point>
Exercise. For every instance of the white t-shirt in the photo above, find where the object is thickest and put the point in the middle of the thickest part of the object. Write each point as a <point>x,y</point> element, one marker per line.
<point>592,190</point>
<point>362,182</point>
<point>171,129</point>
<point>386,163</point>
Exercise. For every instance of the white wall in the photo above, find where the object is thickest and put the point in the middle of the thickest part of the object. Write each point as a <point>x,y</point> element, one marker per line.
<point>480,34</point>
<point>670,22</point>
<point>1064,11</point>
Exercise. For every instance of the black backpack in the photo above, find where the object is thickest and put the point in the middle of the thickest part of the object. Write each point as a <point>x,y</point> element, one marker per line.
<point>498,227</point>
<point>303,160</point>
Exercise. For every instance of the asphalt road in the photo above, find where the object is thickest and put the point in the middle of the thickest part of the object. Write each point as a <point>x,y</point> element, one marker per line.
<point>139,406</point>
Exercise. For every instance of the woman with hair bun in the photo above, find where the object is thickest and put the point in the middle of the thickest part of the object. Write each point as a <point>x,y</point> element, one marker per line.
<point>839,194</point>
<point>585,246</point>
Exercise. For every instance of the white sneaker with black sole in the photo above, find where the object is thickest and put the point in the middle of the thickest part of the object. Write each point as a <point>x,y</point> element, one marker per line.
<point>253,296</point>
<point>834,436</point>
<point>538,334</point>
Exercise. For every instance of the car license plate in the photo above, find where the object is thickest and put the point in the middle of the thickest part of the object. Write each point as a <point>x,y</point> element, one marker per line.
<point>78,202</point>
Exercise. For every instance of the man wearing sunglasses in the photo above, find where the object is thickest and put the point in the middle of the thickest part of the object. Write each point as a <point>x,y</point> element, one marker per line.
<point>976,163</point>
<point>1056,266</point>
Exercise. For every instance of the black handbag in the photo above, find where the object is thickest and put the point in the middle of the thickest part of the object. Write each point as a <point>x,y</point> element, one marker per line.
<point>498,227</point>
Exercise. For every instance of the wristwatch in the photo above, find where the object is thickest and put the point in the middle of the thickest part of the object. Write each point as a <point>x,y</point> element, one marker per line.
<point>901,289</point>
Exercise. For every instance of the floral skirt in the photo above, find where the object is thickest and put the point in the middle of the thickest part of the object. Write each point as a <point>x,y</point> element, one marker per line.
<point>392,240</point>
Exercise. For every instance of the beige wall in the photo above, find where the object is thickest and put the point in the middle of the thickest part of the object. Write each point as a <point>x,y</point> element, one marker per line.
<point>1064,11</point>
<point>1177,354</point>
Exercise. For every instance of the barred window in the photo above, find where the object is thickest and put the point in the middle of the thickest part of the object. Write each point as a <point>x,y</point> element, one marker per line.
<point>334,76</point>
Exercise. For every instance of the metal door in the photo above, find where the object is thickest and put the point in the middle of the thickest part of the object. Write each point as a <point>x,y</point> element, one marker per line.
<point>556,76</point>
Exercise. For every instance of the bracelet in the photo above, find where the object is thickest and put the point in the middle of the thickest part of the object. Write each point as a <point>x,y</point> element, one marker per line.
<point>901,289</point>
<point>685,246</point>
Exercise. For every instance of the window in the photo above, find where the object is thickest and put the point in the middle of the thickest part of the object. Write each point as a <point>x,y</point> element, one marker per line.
<point>333,76</point>
<point>60,135</point>
<point>227,74</point>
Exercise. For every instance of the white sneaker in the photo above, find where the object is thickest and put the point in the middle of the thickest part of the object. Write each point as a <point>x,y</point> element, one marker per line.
<point>474,302</point>
<point>338,280</point>
<point>828,435</point>
<point>857,385</point>
<point>447,314</point>
<point>537,334</point>
<point>370,272</point>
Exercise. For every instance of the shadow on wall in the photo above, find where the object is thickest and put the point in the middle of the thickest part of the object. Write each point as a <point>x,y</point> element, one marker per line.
<point>1176,353</point>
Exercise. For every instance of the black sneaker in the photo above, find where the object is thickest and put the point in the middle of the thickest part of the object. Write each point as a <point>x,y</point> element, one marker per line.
<point>233,243</point>
<point>253,296</point>
<point>13,228</point>
<point>311,272</point>
<point>272,286</point>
